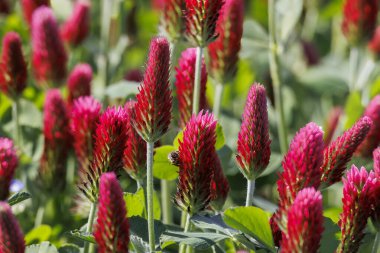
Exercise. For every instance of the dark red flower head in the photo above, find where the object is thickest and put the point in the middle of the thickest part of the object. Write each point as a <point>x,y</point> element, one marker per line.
<point>29,6</point>
<point>111,231</point>
<point>4,7</point>
<point>134,75</point>
<point>172,19</point>
<point>11,237</point>
<point>8,166</point>
<point>13,72</point>
<point>219,186</point>
<point>332,124</point>
<point>373,137</point>
<point>201,18</point>
<point>76,28</point>
<point>359,20</point>
<point>253,146</point>
<point>79,82</point>
<point>48,54</point>
<point>185,73</point>
<point>224,51</point>
<point>152,112</point>
<point>85,114</point>
<point>337,155</point>
<point>376,190</point>
<point>305,219</point>
<point>197,160</point>
<point>356,208</point>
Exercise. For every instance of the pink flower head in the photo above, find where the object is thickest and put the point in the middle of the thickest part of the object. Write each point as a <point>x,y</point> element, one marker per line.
<point>337,155</point>
<point>332,124</point>
<point>201,18</point>
<point>356,208</point>
<point>185,84</point>
<point>48,54</point>
<point>172,20</point>
<point>253,146</point>
<point>305,219</point>
<point>111,231</point>
<point>13,72</point>
<point>359,20</point>
<point>374,44</point>
<point>376,190</point>
<point>11,237</point>
<point>224,51</point>
<point>152,112</point>
<point>4,7</point>
<point>29,6</point>
<point>57,141</point>
<point>219,186</point>
<point>85,115</point>
<point>110,138</point>
<point>76,28</point>
<point>373,137</point>
<point>197,159</point>
<point>79,82</point>
<point>8,166</point>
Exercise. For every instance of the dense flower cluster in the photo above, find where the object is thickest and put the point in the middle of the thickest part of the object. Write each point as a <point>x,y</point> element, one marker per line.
<point>11,237</point>
<point>219,186</point>
<point>8,166</point>
<point>172,20</point>
<point>79,82</point>
<point>29,6</point>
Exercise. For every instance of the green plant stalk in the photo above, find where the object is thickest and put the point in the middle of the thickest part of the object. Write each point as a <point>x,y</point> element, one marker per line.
<point>39,216</point>
<point>149,194</point>
<point>182,248</point>
<point>376,243</point>
<point>353,67</point>
<point>250,191</point>
<point>88,247</point>
<point>197,81</point>
<point>104,40</point>
<point>167,212</point>
<point>218,97</point>
<point>275,71</point>
<point>16,121</point>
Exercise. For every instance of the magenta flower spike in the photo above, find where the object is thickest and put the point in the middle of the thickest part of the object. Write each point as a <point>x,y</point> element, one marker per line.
<point>172,19</point>
<point>8,166</point>
<point>29,6</point>
<point>79,82</point>
<point>11,237</point>
<point>376,190</point>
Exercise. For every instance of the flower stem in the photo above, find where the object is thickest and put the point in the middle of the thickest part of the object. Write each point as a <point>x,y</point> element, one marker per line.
<point>197,80</point>
<point>182,248</point>
<point>353,67</point>
<point>376,243</point>
<point>16,121</point>
<point>218,99</point>
<point>149,194</point>
<point>250,191</point>
<point>87,246</point>
<point>166,203</point>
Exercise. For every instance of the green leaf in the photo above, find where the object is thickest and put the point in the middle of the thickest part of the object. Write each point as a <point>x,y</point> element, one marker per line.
<point>255,39</point>
<point>333,213</point>
<point>38,234</point>
<point>29,114</point>
<point>138,227</point>
<point>69,248</point>
<point>252,221</point>
<point>274,164</point>
<point>353,109</point>
<point>135,203</point>
<point>329,241</point>
<point>18,197</point>
<point>289,12</point>
<point>194,239</point>
<point>138,244</point>
<point>83,236</point>
<point>122,90</point>
<point>44,247</point>
<point>162,168</point>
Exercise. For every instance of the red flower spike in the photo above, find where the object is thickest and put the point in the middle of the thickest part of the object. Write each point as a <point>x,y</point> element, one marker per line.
<point>13,72</point>
<point>85,115</point>
<point>48,54</point>
<point>197,159</point>
<point>111,231</point>
<point>29,6</point>
<point>253,146</point>
<point>374,44</point>
<point>201,17</point>
<point>185,73</point>
<point>4,7</point>
<point>11,237</point>
<point>152,112</point>
<point>110,138</point>
<point>57,141</point>
<point>135,150</point>
<point>376,190</point>
<point>332,124</point>
<point>337,155</point>
<point>224,50</point>
<point>219,186</point>
<point>373,137</point>
<point>79,82</point>
<point>76,28</point>
<point>359,20</point>
<point>305,219</point>
<point>172,20</point>
<point>356,208</point>
<point>8,166</point>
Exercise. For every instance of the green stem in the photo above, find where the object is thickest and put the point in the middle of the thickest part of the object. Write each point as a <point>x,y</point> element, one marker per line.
<point>149,194</point>
<point>39,216</point>
<point>104,41</point>
<point>182,248</point>
<point>16,121</point>
<point>87,246</point>
<point>166,203</point>
<point>218,99</point>
<point>353,67</point>
<point>376,244</point>
<point>275,71</point>
<point>197,80</point>
<point>250,191</point>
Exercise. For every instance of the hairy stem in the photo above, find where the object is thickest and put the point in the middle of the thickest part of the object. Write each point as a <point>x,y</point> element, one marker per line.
<point>218,99</point>
<point>166,203</point>
<point>182,248</point>
<point>91,217</point>
<point>197,80</point>
<point>250,191</point>
<point>149,194</point>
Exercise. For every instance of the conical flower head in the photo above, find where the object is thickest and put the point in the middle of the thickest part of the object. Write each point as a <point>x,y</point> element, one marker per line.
<point>29,6</point>
<point>79,82</point>
<point>185,74</point>
<point>11,237</point>
<point>110,138</point>
<point>76,28</point>
<point>152,112</point>
<point>111,231</point>
<point>201,18</point>
<point>8,165</point>
<point>305,219</point>
<point>373,137</point>
<point>356,208</point>
<point>253,146</point>
<point>219,186</point>
<point>48,54</point>
<point>172,20</point>
<point>337,155</point>
<point>224,50</point>
<point>359,20</point>
<point>197,159</point>
<point>13,72</point>
<point>332,124</point>
<point>85,115</point>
